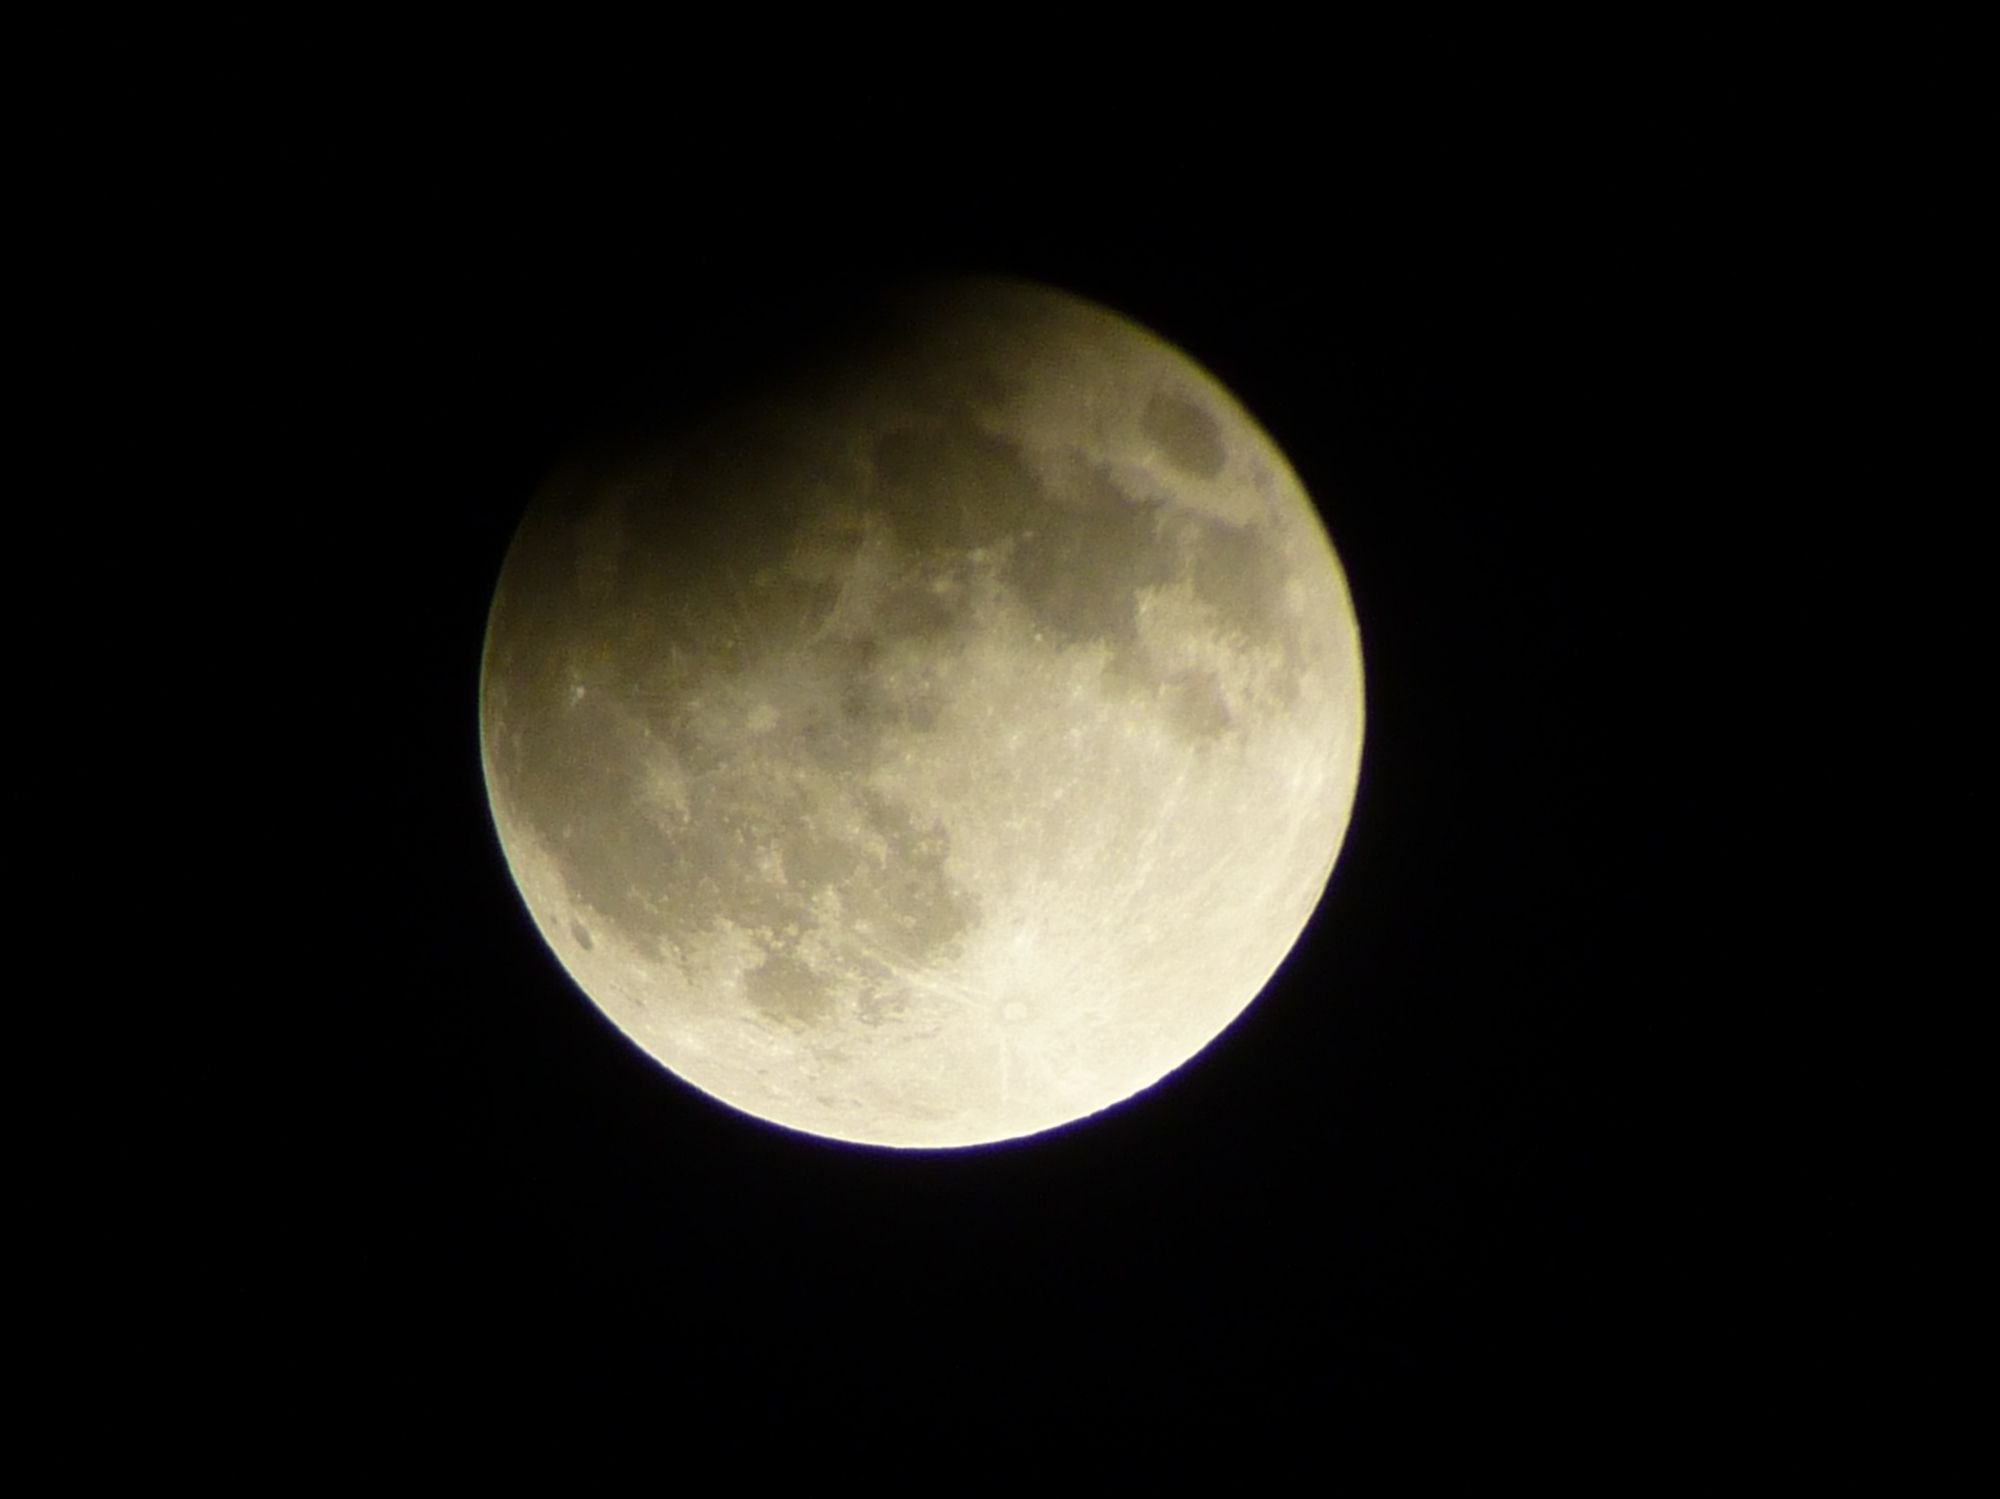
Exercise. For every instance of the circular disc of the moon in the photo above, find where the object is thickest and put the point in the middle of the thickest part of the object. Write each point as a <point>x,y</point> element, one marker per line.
<point>941,743</point>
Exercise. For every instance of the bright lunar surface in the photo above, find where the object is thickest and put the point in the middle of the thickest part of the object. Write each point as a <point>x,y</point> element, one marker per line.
<point>941,743</point>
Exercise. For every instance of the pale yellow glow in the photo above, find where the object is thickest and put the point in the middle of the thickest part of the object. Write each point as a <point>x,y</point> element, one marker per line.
<point>940,747</point>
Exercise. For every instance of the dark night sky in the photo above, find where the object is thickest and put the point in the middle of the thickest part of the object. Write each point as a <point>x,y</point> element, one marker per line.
<point>1479,1165</point>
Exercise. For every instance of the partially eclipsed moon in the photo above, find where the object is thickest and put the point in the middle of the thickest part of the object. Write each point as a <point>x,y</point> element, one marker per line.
<point>940,746</point>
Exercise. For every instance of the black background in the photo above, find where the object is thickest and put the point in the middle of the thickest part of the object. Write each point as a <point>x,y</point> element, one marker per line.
<point>1496,1160</point>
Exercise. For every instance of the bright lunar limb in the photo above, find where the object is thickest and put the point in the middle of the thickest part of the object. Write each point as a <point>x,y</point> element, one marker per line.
<point>942,743</point>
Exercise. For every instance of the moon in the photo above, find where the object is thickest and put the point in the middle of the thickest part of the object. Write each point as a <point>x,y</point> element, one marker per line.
<point>938,743</point>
